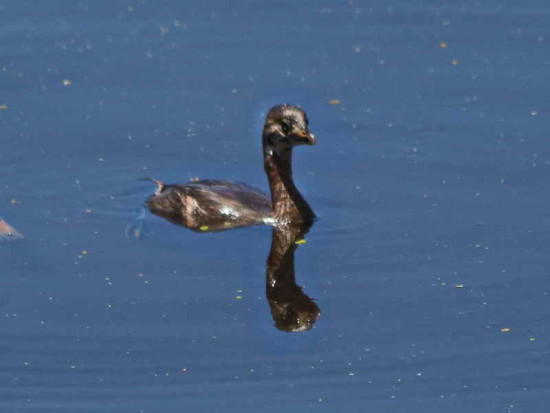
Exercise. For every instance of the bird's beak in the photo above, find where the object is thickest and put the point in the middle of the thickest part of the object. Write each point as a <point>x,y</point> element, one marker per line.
<point>304,136</point>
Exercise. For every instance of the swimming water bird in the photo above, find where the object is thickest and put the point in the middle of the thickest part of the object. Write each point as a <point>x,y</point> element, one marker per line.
<point>212,205</point>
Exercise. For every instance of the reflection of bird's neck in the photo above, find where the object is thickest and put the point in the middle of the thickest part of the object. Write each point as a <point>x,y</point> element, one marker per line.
<point>291,308</point>
<point>280,263</point>
<point>288,204</point>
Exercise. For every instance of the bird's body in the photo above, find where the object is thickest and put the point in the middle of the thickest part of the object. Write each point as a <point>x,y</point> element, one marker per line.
<point>213,205</point>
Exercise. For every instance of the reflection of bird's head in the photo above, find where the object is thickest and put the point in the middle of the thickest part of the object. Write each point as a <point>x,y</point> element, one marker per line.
<point>287,126</point>
<point>292,310</point>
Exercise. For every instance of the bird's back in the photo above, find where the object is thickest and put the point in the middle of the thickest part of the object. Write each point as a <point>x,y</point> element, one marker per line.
<point>211,205</point>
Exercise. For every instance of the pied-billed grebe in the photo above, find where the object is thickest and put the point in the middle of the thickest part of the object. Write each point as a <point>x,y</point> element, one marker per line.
<point>217,205</point>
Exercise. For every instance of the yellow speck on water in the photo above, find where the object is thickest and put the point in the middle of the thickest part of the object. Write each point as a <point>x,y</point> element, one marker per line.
<point>3,107</point>
<point>301,242</point>
<point>459,285</point>
<point>204,228</point>
<point>334,102</point>
<point>505,329</point>
<point>455,62</point>
<point>443,45</point>
<point>239,297</point>
<point>67,82</point>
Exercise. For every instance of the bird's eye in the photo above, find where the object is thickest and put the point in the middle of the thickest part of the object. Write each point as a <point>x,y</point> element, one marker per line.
<point>285,127</point>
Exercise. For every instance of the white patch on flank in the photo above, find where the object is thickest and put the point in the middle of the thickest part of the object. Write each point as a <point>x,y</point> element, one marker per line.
<point>228,212</point>
<point>269,221</point>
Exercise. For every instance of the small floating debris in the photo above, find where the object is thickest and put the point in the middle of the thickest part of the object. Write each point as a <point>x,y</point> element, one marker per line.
<point>505,329</point>
<point>7,232</point>
<point>455,62</point>
<point>3,107</point>
<point>459,285</point>
<point>204,228</point>
<point>301,242</point>
<point>443,45</point>
<point>334,102</point>
<point>532,339</point>
<point>67,82</point>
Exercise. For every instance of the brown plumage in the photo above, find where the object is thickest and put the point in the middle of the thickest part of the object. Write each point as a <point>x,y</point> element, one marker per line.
<point>217,205</point>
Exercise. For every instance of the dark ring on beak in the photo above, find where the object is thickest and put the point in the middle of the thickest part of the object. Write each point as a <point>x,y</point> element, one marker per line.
<point>308,137</point>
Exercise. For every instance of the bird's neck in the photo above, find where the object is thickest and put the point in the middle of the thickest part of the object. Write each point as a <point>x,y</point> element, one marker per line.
<point>287,202</point>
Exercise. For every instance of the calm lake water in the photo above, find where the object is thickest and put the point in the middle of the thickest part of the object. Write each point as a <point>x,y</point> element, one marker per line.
<point>430,261</point>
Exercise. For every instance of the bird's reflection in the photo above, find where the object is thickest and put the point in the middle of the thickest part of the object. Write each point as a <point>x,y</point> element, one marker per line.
<point>291,308</point>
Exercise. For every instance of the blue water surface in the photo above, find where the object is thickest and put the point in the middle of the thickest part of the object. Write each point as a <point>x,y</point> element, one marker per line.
<point>429,261</point>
